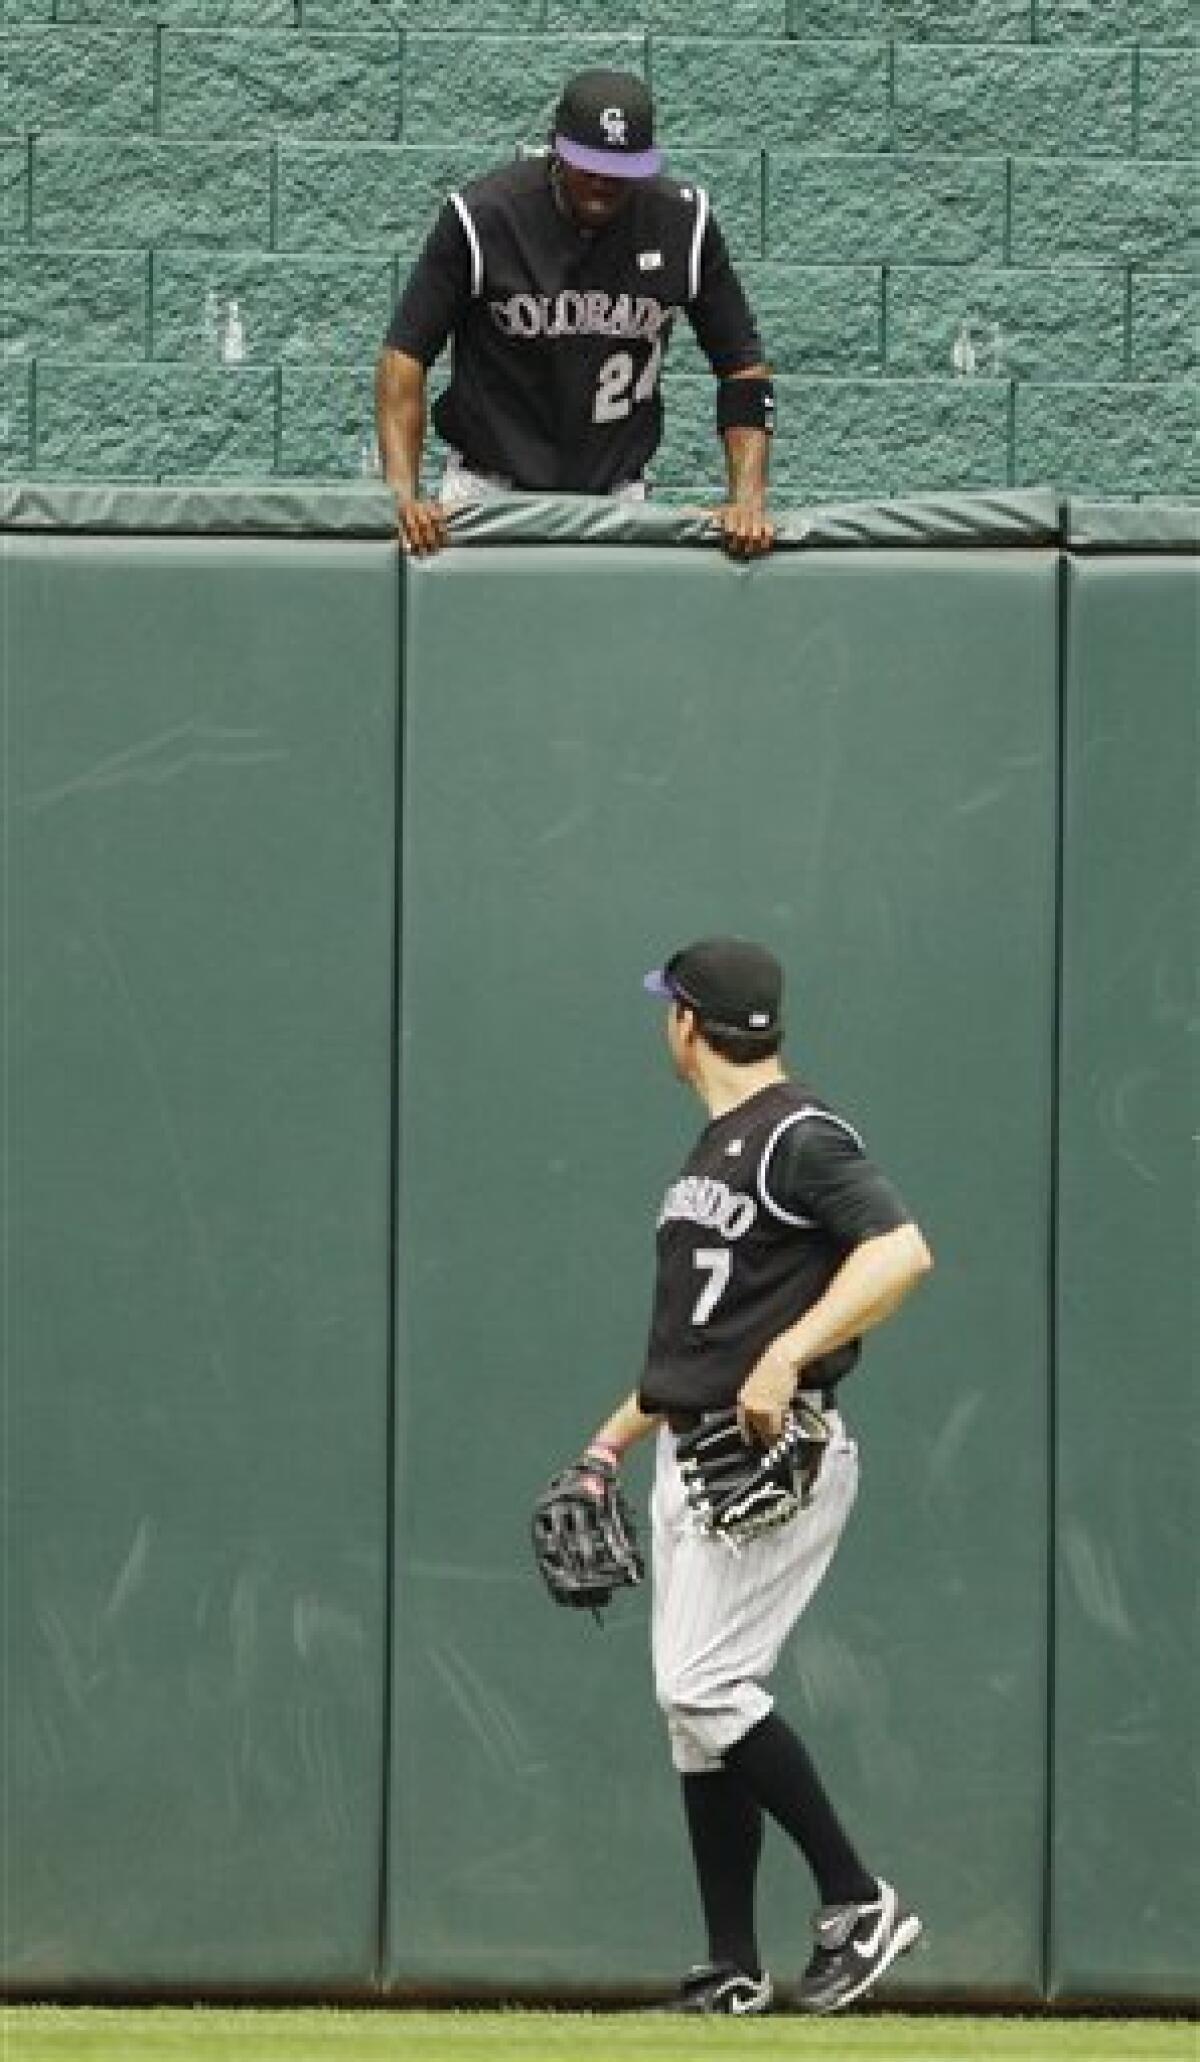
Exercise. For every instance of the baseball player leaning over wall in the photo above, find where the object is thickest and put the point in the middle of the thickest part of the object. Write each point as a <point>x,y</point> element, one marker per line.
<point>557,280</point>
<point>778,1246</point>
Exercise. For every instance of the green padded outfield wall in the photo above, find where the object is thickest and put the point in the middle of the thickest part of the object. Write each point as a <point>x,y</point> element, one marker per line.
<point>198,782</point>
<point>854,755</point>
<point>853,751</point>
<point>1126,1907</point>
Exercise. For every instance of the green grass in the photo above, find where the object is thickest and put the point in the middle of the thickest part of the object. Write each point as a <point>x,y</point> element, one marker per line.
<point>40,2033</point>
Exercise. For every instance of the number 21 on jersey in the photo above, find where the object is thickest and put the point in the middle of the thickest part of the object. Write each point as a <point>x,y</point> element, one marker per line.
<point>716,1263</point>
<point>615,390</point>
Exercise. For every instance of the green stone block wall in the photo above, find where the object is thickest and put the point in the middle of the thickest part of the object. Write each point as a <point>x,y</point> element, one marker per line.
<point>964,224</point>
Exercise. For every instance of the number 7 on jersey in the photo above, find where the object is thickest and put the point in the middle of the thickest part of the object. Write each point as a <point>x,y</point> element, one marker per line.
<point>717,1263</point>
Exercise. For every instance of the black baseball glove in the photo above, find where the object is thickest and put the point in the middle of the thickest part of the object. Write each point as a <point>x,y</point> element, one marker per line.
<point>583,1535</point>
<point>735,1489</point>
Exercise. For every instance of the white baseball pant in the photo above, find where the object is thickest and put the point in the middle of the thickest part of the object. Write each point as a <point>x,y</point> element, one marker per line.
<point>461,484</point>
<point>719,1617</point>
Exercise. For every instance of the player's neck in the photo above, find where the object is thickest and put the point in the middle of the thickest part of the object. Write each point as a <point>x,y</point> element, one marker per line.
<point>721,1086</point>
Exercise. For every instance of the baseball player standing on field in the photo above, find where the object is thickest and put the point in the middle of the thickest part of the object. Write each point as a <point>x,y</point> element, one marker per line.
<point>778,1246</point>
<point>558,279</point>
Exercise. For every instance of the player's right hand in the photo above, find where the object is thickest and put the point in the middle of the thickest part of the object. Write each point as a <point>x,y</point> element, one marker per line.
<point>422,525</point>
<point>765,1396</point>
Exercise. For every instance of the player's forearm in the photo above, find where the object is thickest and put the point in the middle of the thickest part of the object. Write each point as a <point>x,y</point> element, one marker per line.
<point>400,420</point>
<point>870,1284</point>
<point>625,1427</point>
<point>747,454</point>
<point>747,450</point>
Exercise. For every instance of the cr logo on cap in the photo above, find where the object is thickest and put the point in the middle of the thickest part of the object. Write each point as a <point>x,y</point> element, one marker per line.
<point>612,121</point>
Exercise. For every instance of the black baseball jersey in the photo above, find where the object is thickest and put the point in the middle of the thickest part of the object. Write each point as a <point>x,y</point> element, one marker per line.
<point>558,333</point>
<point>774,1196</point>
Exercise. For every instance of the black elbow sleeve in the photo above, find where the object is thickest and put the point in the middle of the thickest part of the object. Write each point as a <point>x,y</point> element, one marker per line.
<point>746,404</point>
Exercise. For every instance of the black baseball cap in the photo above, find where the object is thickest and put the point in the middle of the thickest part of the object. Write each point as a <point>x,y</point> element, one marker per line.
<point>730,983</point>
<point>605,123</point>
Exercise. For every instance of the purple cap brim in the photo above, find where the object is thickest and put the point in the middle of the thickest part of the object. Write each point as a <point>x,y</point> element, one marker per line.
<point>610,164</point>
<point>656,983</point>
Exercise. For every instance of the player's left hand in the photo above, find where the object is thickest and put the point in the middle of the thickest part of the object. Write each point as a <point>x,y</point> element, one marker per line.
<point>764,1397</point>
<point>747,531</point>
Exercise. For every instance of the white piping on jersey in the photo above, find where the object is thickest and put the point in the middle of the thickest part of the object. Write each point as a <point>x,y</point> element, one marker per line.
<point>796,1117</point>
<point>697,240</point>
<point>472,235</point>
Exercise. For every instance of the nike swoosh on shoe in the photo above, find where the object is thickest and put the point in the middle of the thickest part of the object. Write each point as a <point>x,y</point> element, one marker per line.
<point>868,1949</point>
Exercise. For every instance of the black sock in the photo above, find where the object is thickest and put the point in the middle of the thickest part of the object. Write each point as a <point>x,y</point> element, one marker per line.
<point>775,1768</point>
<point>725,1827</point>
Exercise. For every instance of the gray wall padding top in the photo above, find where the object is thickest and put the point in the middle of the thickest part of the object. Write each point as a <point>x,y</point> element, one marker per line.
<point>1030,516</point>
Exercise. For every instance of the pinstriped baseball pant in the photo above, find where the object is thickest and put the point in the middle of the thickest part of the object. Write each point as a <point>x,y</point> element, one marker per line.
<point>720,1618</point>
<point>461,483</point>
